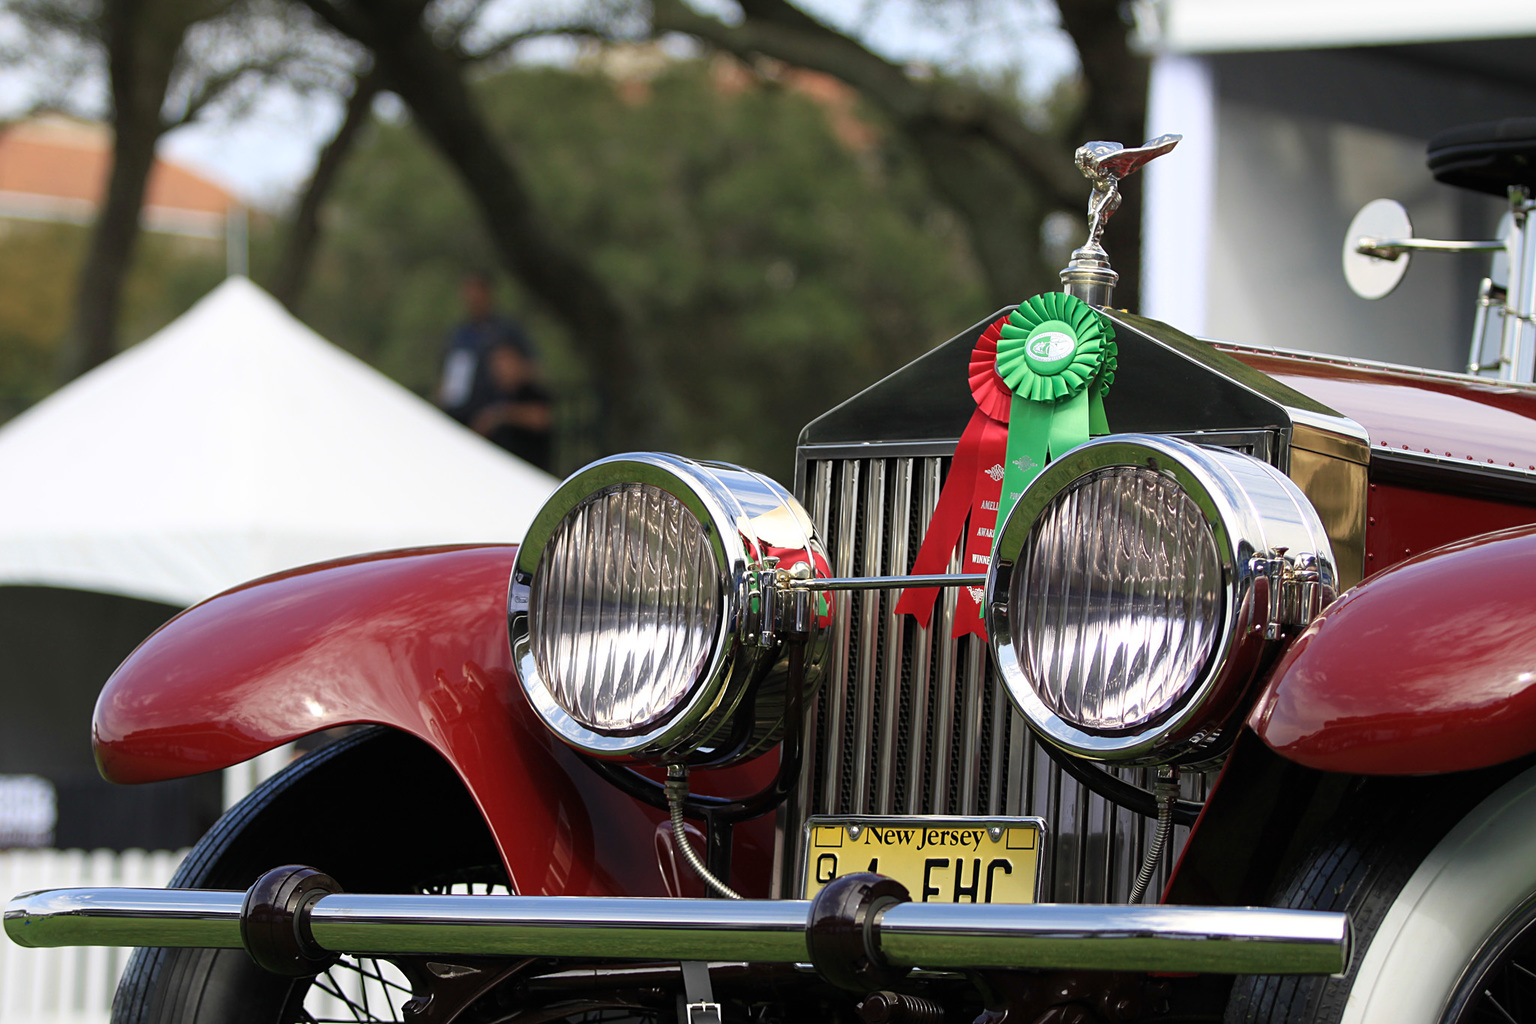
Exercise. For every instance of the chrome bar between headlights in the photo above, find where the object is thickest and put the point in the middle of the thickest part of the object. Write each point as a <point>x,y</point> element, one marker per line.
<point>1227,940</point>
<point>949,579</point>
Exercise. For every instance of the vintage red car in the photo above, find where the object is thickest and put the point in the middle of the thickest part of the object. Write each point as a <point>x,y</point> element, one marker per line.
<point>1265,650</point>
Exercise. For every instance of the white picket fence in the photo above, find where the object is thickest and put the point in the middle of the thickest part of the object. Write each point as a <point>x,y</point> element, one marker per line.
<point>68,986</point>
<point>75,986</point>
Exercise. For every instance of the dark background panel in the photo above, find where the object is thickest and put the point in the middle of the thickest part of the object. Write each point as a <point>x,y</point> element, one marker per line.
<point>57,648</point>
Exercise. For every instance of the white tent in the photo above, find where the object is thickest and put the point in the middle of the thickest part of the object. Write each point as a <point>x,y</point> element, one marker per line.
<point>234,443</point>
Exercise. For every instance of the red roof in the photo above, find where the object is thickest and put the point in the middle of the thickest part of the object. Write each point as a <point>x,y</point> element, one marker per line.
<point>62,158</point>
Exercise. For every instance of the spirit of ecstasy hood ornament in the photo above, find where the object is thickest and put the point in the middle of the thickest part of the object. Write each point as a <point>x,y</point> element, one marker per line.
<point>1088,275</point>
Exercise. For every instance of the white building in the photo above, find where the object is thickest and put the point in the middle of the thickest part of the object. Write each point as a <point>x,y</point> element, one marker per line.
<point>1296,113</point>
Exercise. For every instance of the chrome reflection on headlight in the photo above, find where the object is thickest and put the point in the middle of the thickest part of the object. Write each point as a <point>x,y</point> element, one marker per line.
<point>637,614</point>
<point>1134,585</point>
<point>623,612</point>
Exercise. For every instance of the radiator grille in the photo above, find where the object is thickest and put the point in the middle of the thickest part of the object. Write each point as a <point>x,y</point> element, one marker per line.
<point>909,721</point>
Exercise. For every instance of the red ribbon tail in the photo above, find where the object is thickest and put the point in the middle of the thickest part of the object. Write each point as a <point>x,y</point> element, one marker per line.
<point>948,522</point>
<point>992,451</point>
<point>968,618</point>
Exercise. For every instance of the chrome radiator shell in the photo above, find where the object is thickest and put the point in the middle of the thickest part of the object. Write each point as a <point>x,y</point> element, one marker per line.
<point>910,721</point>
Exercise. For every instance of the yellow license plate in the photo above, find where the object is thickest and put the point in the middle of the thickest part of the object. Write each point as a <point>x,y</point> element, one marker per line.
<point>939,860</point>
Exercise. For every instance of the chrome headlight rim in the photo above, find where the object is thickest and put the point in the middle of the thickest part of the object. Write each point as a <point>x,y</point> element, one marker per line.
<point>702,489</point>
<point>1250,508</point>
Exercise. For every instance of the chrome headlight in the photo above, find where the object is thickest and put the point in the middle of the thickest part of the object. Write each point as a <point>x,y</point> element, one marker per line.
<point>1133,588</point>
<point>637,617</point>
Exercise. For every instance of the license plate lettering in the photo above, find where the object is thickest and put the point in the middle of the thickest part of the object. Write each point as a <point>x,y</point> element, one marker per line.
<point>957,860</point>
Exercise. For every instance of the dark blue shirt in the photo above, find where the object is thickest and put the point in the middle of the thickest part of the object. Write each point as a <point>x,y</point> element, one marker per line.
<point>465,387</point>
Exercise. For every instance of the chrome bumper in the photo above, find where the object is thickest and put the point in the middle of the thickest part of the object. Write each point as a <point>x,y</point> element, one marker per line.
<point>898,935</point>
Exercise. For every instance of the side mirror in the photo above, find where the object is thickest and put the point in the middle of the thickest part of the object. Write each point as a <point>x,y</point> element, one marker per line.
<point>1372,266</point>
<point>1379,242</point>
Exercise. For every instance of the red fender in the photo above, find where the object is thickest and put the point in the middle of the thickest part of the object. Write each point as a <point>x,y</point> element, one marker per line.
<point>1428,667</point>
<point>414,640</point>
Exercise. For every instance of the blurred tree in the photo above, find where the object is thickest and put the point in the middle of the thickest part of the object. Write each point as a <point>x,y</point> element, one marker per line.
<point>421,61</point>
<point>456,29</point>
<point>39,263</point>
<point>983,157</point>
<point>770,264</point>
<point>293,268</point>
<point>168,62</point>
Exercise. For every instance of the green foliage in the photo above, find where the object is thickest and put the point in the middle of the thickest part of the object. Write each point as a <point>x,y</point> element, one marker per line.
<point>770,267</point>
<point>37,265</point>
<point>39,268</point>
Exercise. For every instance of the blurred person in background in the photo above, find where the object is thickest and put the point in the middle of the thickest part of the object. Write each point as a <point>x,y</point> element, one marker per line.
<point>515,414</point>
<point>465,386</point>
<point>490,380</point>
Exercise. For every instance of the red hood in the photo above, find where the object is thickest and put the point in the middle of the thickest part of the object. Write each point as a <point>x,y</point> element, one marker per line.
<point>1447,415</point>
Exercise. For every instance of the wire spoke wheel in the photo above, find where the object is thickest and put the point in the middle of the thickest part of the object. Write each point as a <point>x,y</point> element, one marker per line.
<point>377,810</point>
<point>356,989</point>
<point>372,990</point>
<point>1500,985</point>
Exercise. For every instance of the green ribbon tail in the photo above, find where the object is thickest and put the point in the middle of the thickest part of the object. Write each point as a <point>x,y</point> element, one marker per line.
<point>1029,428</point>
<point>1070,424</point>
<point>1098,423</point>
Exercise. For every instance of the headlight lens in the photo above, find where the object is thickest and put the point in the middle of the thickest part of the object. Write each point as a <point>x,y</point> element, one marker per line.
<point>1130,591</point>
<point>1122,593</point>
<point>625,607</point>
<point>636,616</point>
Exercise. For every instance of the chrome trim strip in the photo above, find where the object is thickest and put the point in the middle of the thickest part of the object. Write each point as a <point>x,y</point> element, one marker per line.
<point>933,935</point>
<point>895,626</point>
<point>997,782</point>
<point>837,698</point>
<point>970,724</point>
<point>943,449</point>
<point>869,625</point>
<point>936,448</point>
<point>796,807</point>
<point>1374,364</point>
<point>922,652</point>
<point>1409,460</point>
<point>949,657</point>
<point>1020,766</point>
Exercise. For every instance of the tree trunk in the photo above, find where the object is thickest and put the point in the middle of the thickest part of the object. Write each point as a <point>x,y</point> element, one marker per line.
<point>98,296</point>
<point>1001,215</point>
<point>430,80</point>
<point>299,252</point>
<point>141,50</point>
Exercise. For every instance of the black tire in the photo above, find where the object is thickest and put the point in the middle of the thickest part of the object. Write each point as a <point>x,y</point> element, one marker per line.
<point>1383,833</point>
<point>377,810</point>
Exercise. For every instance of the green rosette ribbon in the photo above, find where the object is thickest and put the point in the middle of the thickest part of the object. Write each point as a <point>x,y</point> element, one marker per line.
<point>1057,355</point>
<point>1098,425</point>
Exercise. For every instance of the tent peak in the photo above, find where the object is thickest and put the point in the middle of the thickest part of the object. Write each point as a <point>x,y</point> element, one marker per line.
<point>234,443</point>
